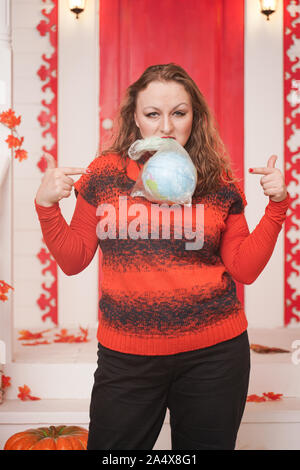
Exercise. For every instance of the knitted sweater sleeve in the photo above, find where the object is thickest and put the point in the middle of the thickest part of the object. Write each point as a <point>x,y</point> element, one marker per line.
<point>73,246</point>
<point>245,254</point>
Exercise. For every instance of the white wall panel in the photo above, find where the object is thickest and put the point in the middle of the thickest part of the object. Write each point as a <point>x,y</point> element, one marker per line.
<point>26,242</point>
<point>28,268</point>
<point>29,40</point>
<point>29,291</point>
<point>29,112</point>
<point>78,77</point>
<point>26,13</point>
<point>26,64</point>
<point>27,44</point>
<point>28,90</point>
<point>25,219</point>
<point>263,137</point>
<point>25,190</point>
<point>28,169</point>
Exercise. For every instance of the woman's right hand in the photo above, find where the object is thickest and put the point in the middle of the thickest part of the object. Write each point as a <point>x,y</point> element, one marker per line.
<point>56,184</point>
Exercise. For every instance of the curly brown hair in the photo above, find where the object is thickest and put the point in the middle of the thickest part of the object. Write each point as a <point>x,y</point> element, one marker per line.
<point>204,145</point>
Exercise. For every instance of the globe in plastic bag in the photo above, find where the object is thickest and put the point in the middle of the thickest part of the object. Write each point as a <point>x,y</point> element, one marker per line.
<point>168,176</point>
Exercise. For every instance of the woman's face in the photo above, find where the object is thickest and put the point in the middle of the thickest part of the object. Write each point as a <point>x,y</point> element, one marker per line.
<point>164,109</point>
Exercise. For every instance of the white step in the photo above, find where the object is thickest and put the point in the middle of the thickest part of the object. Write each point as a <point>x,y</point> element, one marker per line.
<point>271,426</point>
<point>55,370</point>
<point>63,371</point>
<point>16,416</point>
<point>276,372</point>
<point>267,425</point>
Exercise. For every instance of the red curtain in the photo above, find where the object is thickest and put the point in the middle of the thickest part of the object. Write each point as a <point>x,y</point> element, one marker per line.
<point>205,37</point>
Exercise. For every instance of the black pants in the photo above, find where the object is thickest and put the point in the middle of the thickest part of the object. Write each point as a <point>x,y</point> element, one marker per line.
<point>205,391</point>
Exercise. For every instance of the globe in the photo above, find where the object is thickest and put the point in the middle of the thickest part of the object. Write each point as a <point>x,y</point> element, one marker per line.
<point>169,176</point>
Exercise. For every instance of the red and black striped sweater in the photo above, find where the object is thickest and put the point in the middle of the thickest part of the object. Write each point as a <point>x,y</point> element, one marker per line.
<point>157,296</point>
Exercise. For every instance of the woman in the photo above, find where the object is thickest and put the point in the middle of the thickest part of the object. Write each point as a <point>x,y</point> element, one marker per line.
<point>172,332</point>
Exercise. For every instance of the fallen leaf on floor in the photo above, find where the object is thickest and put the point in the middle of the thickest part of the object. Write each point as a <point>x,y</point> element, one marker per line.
<point>24,394</point>
<point>269,396</point>
<point>27,335</point>
<point>64,337</point>
<point>266,350</point>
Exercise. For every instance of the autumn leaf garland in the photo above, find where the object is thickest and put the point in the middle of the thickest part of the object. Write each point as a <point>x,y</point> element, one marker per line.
<point>14,141</point>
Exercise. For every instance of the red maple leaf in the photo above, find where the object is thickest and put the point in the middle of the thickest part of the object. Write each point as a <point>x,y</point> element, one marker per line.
<point>63,337</point>
<point>27,335</point>
<point>6,381</point>
<point>24,394</point>
<point>255,398</point>
<point>270,396</point>
<point>21,154</point>
<point>84,337</point>
<point>273,396</point>
<point>13,141</point>
<point>4,287</point>
<point>9,119</point>
<point>266,350</point>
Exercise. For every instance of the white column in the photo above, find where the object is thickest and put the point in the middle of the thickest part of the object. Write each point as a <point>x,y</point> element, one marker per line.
<point>6,309</point>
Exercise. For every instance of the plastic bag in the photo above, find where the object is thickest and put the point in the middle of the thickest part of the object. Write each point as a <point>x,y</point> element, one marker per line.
<point>168,176</point>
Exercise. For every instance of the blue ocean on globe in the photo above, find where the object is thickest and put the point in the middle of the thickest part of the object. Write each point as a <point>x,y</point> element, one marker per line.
<point>169,175</point>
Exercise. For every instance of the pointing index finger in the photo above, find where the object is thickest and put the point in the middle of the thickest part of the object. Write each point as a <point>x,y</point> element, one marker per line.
<point>261,170</point>
<point>74,171</point>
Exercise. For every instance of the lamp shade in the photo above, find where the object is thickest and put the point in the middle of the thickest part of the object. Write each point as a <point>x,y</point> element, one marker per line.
<point>77,6</point>
<point>268,7</point>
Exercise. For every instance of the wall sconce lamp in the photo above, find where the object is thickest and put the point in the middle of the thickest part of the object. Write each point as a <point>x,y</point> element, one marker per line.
<point>77,6</point>
<point>267,7</point>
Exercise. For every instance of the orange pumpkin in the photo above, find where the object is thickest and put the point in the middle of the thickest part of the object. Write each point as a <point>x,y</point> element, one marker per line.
<point>52,438</point>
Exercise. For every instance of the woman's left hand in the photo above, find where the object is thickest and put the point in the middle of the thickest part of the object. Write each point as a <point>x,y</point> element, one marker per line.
<point>273,181</point>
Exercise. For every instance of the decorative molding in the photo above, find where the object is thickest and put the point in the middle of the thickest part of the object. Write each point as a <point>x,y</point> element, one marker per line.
<point>48,120</point>
<point>291,45</point>
<point>5,23</point>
